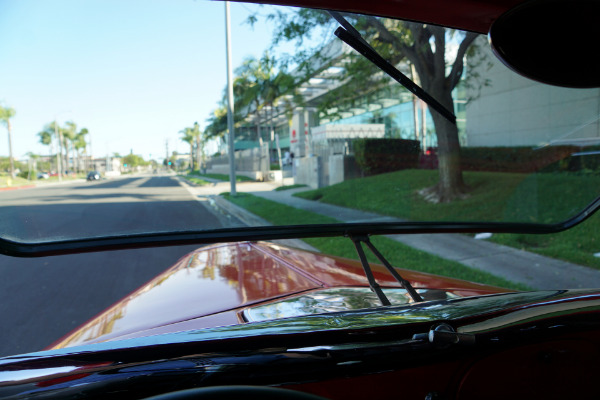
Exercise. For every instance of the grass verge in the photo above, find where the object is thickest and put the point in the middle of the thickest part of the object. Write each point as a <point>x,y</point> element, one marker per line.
<point>16,182</point>
<point>397,253</point>
<point>220,177</point>
<point>195,179</point>
<point>7,181</point>
<point>539,198</point>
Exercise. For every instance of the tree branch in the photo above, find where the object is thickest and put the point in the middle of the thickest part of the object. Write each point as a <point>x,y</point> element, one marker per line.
<point>439,58</point>
<point>458,66</point>
<point>385,36</point>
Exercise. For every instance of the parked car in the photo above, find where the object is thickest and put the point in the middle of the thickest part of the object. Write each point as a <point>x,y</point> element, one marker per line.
<point>43,175</point>
<point>245,316</point>
<point>93,176</point>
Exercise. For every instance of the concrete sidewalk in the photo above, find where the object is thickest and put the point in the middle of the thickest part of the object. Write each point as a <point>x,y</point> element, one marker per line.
<point>520,266</point>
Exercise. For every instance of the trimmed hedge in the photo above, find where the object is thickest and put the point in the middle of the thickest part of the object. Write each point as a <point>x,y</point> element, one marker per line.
<point>377,156</point>
<point>519,159</point>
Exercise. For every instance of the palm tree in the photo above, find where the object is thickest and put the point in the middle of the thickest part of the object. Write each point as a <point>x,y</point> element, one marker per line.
<point>259,85</point>
<point>188,137</point>
<point>199,137</point>
<point>46,137</point>
<point>52,133</point>
<point>217,122</point>
<point>252,77</point>
<point>80,143</point>
<point>69,134</point>
<point>6,113</point>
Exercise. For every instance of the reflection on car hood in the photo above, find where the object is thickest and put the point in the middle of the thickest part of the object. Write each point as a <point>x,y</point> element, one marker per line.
<point>233,277</point>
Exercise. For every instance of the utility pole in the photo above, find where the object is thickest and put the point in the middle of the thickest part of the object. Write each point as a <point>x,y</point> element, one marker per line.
<point>230,106</point>
<point>167,151</point>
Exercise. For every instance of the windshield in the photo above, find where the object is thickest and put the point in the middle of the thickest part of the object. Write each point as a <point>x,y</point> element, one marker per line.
<point>117,119</point>
<point>120,132</point>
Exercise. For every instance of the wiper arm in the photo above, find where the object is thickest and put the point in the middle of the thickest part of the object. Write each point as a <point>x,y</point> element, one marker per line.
<point>357,240</point>
<point>352,38</point>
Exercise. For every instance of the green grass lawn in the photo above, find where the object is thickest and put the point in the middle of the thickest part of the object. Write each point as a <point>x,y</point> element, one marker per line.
<point>195,179</point>
<point>577,245</point>
<point>398,254</point>
<point>7,181</point>
<point>220,177</point>
<point>539,198</point>
<point>17,181</point>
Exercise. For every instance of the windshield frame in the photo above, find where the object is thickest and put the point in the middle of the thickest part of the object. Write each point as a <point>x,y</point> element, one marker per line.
<point>24,248</point>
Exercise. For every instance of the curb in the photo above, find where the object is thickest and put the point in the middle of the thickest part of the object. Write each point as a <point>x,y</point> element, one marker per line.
<point>252,220</point>
<point>238,212</point>
<point>2,189</point>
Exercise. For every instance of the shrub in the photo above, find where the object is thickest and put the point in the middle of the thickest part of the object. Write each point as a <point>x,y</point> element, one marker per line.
<point>377,156</point>
<point>25,174</point>
<point>517,159</point>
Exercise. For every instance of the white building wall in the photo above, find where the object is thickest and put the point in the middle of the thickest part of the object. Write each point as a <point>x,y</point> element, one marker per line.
<point>515,111</point>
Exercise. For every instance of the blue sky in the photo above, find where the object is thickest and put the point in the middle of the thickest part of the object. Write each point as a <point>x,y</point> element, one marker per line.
<point>133,72</point>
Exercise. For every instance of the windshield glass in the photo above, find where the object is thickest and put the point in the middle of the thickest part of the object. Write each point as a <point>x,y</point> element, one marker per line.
<point>117,120</point>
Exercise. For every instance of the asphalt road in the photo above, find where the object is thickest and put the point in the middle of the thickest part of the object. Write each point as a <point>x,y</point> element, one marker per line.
<point>42,299</point>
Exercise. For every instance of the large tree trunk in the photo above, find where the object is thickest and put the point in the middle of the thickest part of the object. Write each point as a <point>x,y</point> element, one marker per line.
<point>451,185</point>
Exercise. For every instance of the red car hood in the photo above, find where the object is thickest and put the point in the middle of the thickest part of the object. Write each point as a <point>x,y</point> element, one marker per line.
<point>212,285</point>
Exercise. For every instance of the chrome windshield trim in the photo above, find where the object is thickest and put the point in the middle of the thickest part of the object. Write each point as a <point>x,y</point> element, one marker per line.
<point>324,301</point>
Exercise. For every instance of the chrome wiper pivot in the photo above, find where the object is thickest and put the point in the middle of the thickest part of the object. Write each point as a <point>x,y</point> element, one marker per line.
<point>358,240</point>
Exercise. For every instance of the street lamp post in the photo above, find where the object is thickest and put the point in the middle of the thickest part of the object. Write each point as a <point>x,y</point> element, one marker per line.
<point>230,105</point>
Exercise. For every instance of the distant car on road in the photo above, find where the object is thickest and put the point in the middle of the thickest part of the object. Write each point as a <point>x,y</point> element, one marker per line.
<point>43,175</point>
<point>93,176</point>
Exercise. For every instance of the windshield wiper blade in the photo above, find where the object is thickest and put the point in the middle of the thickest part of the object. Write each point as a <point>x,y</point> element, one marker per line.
<point>348,34</point>
<point>357,240</point>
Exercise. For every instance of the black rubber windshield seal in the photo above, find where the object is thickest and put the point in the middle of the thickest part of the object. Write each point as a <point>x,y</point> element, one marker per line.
<point>256,233</point>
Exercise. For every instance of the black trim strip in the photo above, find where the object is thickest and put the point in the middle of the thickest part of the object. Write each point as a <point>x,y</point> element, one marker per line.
<point>42,249</point>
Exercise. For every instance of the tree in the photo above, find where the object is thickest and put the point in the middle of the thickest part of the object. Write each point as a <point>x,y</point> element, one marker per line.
<point>133,160</point>
<point>80,143</point>
<point>188,137</point>
<point>46,136</point>
<point>422,45</point>
<point>66,137</point>
<point>53,133</point>
<point>69,134</point>
<point>199,137</point>
<point>257,83</point>
<point>6,113</point>
<point>217,122</point>
<point>32,164</point>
